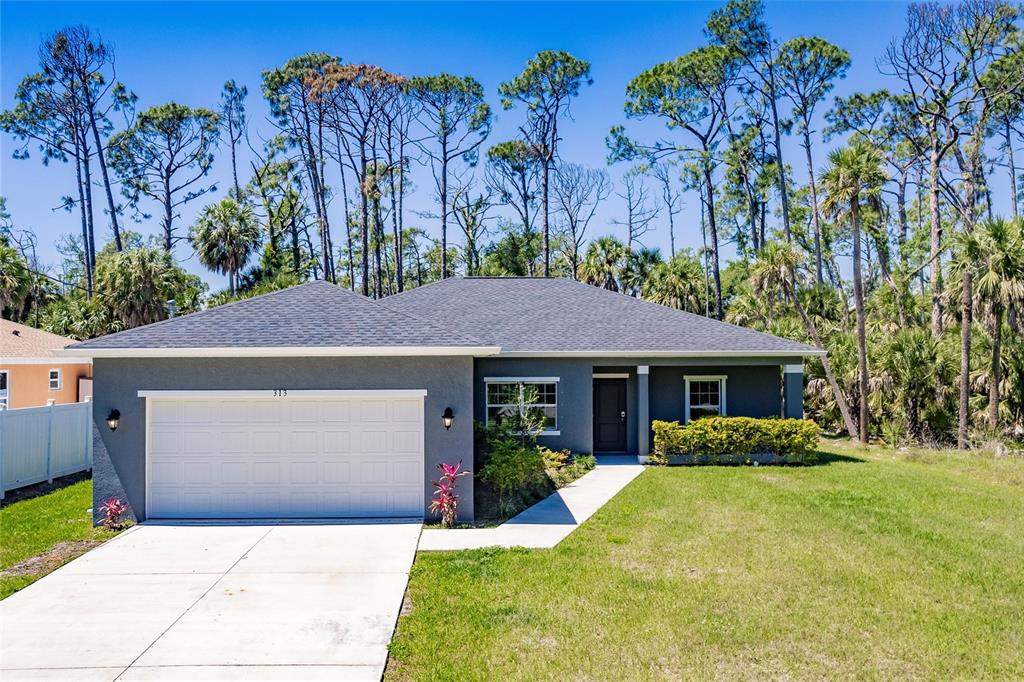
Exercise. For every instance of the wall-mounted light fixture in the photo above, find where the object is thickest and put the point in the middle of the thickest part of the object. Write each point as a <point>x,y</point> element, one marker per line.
<point>113,419</point>
<point>448,418</point>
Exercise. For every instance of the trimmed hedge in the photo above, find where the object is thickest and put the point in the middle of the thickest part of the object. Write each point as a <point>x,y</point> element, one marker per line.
<point>735,440</point>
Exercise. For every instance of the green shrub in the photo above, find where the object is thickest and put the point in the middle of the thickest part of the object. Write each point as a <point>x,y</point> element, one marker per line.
<point>718,439</point>
<point>571,470</point>
<point>554,459</point>
<point>513,469</point>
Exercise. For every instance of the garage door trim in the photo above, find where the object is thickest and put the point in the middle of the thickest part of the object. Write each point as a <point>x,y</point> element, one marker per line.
<point>301,393</point>
<point>266,394</point>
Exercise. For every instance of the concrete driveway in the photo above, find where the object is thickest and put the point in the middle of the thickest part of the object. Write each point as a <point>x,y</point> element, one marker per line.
<point>181,602</point>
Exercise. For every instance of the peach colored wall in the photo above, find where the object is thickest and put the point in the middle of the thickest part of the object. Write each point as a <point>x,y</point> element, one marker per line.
<point>29,385</point>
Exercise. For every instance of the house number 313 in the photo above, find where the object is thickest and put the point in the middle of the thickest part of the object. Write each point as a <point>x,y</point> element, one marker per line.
<point>280,392</point>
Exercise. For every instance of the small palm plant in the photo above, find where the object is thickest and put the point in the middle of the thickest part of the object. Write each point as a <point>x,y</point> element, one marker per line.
<point>446,502</point>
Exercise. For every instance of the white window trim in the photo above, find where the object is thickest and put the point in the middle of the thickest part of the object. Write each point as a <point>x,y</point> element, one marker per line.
<point>523,380</point>
<point>611,375</point>
<point>60,379</point>
<point>720,378</point>
<point>5,394</point>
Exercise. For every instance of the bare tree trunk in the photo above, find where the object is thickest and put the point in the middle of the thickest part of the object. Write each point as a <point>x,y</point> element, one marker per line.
<point>936,238</point>
<point>967,316</point>
<point>90,243</point>
<point>444,208</point>
<point>901,212</point>
<point>365,219</point>
<point>812,331</point>
<point>815,219</point>
<point>783,190</point>
<point>89,265</point>
<point>713,229</point>
<point>858,302</point>
<point>168,215</point>
<point>106,181</point>
<point>544,217</point>
<point>996,320</point>
<point>1012,169</point>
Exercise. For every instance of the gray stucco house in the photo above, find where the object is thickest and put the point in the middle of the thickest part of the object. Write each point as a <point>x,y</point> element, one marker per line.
<point>317,402</point>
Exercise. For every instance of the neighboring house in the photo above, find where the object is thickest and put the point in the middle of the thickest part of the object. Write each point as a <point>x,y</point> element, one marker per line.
<point>314,401</point>
<point>32,374</point>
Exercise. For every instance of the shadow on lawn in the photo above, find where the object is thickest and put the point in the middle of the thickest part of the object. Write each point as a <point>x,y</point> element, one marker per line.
<point>44,488</point>
<point>826,458</point>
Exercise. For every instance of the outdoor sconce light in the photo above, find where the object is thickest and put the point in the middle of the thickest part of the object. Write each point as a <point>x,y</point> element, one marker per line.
<point>447,418</point>
<point>113,419</point>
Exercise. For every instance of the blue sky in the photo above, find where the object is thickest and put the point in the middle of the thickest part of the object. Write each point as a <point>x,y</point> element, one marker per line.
<point>185,51</point>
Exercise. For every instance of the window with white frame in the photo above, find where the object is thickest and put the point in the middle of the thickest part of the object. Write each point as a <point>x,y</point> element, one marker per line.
<point>505,395</point>
<point>705,397</point>
<point>4,378</point>
<point>55,380</point>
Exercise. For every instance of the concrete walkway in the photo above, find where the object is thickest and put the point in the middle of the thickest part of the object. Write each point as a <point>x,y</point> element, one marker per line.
<point>548,522</point>
<point>268,601</point>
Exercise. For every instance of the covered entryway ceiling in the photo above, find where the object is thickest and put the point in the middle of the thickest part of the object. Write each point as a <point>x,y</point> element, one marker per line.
<point>279,453</point>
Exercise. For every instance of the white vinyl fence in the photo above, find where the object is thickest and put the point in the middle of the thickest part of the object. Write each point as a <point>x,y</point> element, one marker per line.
<point>42,443</point>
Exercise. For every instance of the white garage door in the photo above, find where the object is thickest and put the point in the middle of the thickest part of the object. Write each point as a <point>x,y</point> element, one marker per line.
<point>302,454</point>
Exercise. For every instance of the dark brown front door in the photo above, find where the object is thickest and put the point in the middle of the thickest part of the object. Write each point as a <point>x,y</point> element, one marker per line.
<point>609,415</point>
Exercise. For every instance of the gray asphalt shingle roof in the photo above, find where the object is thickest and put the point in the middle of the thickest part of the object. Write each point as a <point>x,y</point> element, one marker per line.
<point>560,315</point>
<point>520,315</point>
<point>309,315</point>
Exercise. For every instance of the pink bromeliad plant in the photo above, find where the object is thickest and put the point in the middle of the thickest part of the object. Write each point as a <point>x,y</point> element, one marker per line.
<point>445,501</point>
<point>113,509</point>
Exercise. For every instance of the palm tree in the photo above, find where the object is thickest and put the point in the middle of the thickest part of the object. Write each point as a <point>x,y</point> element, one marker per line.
<point>774,274</point>
<point>854,176</point>
<point>225,237</point>
<point>603,264</point>
<point>640,263</point>
<point>912,362</point>
<point>678,283</point>
<point>1000,285</point>
<point>136,283</point>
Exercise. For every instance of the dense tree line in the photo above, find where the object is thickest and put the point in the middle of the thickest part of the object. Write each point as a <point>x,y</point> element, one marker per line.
<point>888,254</point>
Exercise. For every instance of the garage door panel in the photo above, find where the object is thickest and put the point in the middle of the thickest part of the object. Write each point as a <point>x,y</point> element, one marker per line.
<point>406,441</point>
<point>406,411</point>
<point>199,412</point>
<point>337,442</point>
<point>405,502</point>
<point>373,441</point>
<point>294,457</point>
<point>337,412</point>
<point>266,473</point>
<point>235,472</point>
<point>265,441</point>
<point>303,411</point>
<point>371,411</point>
<point>198,441</point>
<point>406,471</point>
<point>337,472</point>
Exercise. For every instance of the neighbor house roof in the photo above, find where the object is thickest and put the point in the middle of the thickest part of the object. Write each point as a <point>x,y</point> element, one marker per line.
<point>535,316</point>
<point>313,318</point>
<point>24,343</point>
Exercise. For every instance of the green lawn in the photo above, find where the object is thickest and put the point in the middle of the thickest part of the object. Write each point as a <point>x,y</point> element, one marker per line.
<point>54,528</point>
<point>873,565</point>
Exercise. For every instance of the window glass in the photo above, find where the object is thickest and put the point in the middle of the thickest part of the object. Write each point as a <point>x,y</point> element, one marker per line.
<point>503,400</point>
<point>54,379</point>
<point>705,398</point>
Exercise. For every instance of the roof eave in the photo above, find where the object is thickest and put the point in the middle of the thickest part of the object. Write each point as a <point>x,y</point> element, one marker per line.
<point>282,351</point>
<point>796,353</point>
